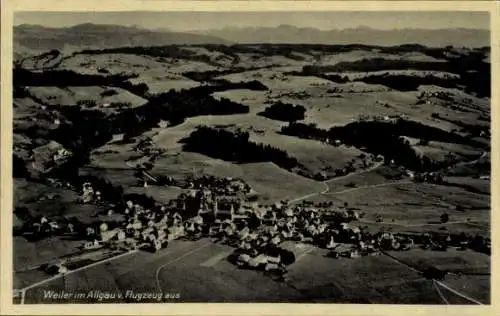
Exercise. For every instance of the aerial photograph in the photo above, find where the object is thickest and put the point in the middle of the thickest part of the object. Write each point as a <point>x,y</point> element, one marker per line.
<point>251,157</point>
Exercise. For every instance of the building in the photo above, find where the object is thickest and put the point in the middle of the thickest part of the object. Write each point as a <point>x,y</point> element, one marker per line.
<point>225,208</point>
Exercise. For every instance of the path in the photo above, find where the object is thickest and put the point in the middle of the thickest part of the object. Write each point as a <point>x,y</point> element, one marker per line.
<point>371,186</point>
<point>58,276</point>
<point>327,188</point>
<point>436,287</point>
<point>462,295</point>
<point>362,220</point>
<point>157,274</point>
<point>375,166</point>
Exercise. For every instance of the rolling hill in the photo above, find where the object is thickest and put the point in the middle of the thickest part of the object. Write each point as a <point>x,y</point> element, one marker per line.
<point>35,38</point>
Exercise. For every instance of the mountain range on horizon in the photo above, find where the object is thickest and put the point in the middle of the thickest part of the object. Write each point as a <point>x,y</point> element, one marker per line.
<point>360,35</point>
<point>36,38</point>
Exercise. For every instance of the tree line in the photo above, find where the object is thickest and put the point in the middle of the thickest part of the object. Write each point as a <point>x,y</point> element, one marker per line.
<point>384,138</point>
<point>474,73</point>
<point>284,112</point>
<point>235,146</point>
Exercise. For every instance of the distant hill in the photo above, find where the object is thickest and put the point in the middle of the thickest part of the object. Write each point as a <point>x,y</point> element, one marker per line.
<point>33,39</point>
<point>361,35</point>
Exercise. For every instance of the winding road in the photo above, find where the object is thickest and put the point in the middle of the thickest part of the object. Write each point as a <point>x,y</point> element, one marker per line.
<point>363,220</point>
<point>327,188</point>
<point>436,283</point>
<point>157,274</point>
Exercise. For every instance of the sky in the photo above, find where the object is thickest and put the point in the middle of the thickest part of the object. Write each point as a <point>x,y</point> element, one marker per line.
<point>199,21</point>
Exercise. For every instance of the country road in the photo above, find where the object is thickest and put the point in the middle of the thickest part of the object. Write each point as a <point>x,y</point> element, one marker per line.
<point>436,282</point>
<point>362,220</point>
<point>373,186</point>
<point>61,275</point>
<point>327,188</point>
<point>157,273</point>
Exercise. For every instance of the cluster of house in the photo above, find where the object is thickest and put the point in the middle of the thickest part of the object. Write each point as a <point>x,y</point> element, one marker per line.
<point>43,226</point>
<point>147,147</point>
<point>144,228</point>
<point>153,228</point>
<point>430,177</point>
<point>47,156</point>
<point>89,194</point>
<point>216,208</point>
<point>434,94</point>
<point>221,186</point>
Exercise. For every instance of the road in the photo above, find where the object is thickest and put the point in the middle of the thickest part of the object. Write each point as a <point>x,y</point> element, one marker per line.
<point>157,273</point>
<point>372,186</point>
<point>366,221</point>
<point>436,282</point>
<point>438,291</point>
<point>58,276</point>
<point>327,188</point>
<point>462,295</point>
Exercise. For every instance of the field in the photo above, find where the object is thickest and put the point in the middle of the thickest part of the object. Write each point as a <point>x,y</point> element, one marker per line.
<point>183,264</point>
<point>269,181</point>
<point>455,261</point>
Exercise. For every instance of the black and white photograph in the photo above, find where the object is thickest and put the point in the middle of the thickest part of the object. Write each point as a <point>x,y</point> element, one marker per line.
<point>333,157</point>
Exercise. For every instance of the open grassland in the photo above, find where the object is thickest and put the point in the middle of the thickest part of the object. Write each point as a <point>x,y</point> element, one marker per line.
<point>371,177</point>
<point>354,75</point>
<point>27,192</point>
<point>347,280</point>
<point>313,155</point>
<point>415,207</point>
<point>271,182</point>
<point>28,255</point>
<point>255,100</point>
<point>268,180</point>
<point>159,76</point>
<point>356,55</point>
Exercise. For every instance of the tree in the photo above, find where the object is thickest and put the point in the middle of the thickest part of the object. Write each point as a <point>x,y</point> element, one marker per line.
<point>444,217</point>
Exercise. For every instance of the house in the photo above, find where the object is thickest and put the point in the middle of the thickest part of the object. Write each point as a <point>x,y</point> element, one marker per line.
<point>331,243</point>
<point>225,208</point>
<point>88,193</point>
<point>108,234</point>
<point>121,235</point>
<point>117,137</point>
<point>103,227</point>
<point>353,253</point>
<point>58,268</point>
<point>92,245</point>
<point>260,260</point>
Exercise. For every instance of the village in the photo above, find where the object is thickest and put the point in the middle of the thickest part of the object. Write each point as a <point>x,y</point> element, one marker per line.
<point>225,211</point>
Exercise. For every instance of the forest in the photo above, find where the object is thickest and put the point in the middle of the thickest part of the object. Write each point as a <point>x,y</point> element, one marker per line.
<point>284,112</point>
<point>235,146</point>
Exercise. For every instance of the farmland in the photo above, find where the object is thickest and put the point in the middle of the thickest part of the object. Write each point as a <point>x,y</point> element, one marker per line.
<point>185,264</point>
<point>407,149</point>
